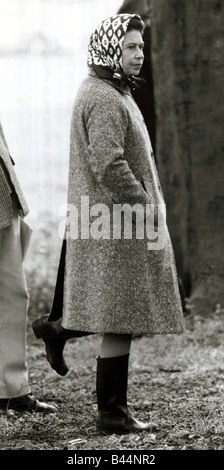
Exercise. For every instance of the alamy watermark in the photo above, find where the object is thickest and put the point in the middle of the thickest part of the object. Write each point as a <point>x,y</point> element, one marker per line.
<point>122,221</point>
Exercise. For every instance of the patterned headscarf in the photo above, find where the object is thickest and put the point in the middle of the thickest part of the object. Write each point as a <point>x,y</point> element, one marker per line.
<point>105,49</point>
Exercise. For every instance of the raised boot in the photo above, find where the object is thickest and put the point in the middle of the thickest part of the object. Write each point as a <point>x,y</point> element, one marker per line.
<point>55,336</point>
<point>52,335</point>
<point>111,387</point>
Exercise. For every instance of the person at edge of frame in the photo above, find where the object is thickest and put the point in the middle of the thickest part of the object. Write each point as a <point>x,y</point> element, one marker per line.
<point>15,391</point>
<point>114,287</point>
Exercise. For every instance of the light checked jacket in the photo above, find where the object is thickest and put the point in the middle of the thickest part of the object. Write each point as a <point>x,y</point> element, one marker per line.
<point>8,184</point>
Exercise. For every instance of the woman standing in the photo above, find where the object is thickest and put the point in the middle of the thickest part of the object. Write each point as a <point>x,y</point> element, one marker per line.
<point>115,285</point>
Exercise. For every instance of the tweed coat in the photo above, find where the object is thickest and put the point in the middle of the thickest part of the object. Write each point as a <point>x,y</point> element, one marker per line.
<point>114,285</point>
<point>8,183</point>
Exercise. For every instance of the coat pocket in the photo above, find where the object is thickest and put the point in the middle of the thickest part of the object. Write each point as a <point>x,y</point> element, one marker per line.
<point>155,194</point>
<point>148,187</point>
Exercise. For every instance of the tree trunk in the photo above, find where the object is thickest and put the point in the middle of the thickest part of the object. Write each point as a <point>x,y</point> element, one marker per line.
<point>188,72</point>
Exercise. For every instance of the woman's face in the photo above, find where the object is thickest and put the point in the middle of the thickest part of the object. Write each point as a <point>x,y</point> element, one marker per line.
<point>132,52</point>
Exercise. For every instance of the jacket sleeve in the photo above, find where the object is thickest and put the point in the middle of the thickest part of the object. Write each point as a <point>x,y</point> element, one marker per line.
<point>106,122</point>
<point>2,135</point>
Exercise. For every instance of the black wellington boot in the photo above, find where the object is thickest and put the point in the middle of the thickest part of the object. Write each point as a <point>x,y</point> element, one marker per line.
<point>111,387</point>
<point>55,337</point>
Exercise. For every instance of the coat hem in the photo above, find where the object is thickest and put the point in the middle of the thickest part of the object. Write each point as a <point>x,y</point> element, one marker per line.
<point>126,332</point>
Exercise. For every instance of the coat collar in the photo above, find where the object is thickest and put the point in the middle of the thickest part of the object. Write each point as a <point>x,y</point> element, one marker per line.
<point>125,89</point>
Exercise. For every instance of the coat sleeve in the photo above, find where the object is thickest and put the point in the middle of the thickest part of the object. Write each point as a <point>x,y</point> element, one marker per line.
<point>106,122</point>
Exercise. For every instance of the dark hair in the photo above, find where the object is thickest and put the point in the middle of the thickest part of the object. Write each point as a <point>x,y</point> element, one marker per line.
<point>136,23</point>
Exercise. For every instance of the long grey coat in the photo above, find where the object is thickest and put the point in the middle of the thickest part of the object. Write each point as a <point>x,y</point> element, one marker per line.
<point>114,285</point>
